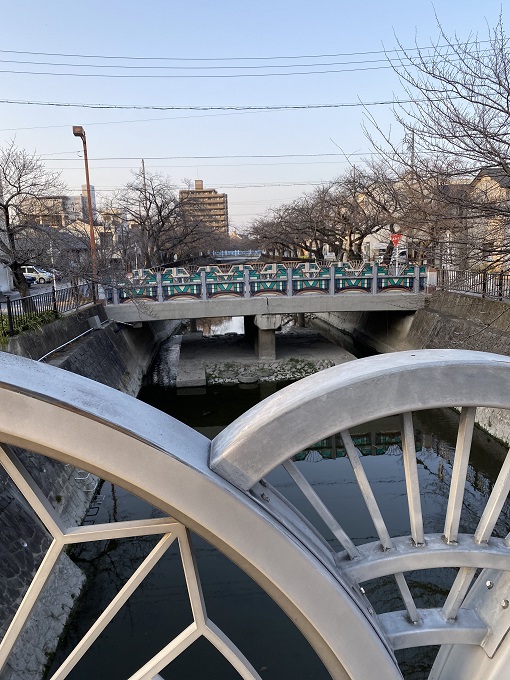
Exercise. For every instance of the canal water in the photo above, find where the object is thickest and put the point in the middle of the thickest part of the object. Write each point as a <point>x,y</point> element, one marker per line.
<point>160,609</point>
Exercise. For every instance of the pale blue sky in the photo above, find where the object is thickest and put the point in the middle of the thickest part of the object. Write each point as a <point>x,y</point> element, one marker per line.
<point>230,31</point>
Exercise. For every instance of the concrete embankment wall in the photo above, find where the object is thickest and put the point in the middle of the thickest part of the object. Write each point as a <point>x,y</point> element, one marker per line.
<point>115,355</point>
<point>449,321</point>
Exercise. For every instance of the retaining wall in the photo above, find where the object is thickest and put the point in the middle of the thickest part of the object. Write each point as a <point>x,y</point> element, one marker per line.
<point>115,355</point>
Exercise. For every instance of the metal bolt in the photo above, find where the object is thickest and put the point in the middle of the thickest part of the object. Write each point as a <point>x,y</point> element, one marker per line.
<point>505,603</point>
<point>265,497</point>
<point>489,584</point>
<point>370,610</point>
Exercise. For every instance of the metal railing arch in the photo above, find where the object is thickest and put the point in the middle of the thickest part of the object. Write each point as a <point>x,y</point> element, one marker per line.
<point>220,490</point>
<point>85,424</point>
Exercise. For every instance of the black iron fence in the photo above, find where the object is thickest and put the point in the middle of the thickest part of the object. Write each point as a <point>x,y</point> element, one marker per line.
<point>486,284</point>
<point>19,314</point>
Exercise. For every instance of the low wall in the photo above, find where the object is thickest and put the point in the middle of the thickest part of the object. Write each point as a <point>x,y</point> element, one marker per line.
<point>449,321</point>
<point>115,355</point>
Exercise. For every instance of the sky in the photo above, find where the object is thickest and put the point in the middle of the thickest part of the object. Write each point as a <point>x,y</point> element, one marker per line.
<point>128,58</point>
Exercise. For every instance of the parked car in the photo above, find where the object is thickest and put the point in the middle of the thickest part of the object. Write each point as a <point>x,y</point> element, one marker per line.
<point>40,275</point>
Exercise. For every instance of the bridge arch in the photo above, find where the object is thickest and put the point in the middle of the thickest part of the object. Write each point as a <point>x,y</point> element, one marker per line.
<point>219,490</point>
<point>83,423</point>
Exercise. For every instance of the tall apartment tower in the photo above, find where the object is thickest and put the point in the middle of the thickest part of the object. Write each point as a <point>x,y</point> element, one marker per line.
<point>206,205</point>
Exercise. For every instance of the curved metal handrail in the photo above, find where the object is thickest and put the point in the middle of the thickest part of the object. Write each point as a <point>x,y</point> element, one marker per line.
<point>218,490</point>
<point>340,398</point>
<point>83,423</point>
<point>344,396</point>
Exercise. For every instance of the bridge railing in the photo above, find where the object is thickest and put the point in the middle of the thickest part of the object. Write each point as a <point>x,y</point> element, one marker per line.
<point>275,279</point>
<point>19,314</point>
<point>486,284</point>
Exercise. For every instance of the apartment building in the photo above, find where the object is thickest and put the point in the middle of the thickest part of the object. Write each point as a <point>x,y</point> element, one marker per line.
<point>60,211</point>
<point>205,205</point>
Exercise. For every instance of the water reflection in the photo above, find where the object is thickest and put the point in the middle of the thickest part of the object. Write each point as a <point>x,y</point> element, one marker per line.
<point>221,325</point>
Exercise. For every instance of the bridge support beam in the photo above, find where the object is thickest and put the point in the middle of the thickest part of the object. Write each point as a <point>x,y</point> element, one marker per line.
<point>265,343</point>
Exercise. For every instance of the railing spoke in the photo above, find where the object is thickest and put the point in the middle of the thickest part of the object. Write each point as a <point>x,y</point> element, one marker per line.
<point>150,670</point>
<point>412,483</point>
<point>366,490</point>
<point>409,604</point>
<point>377,519</point>
<point>201,626</point>
<point>460,465</point>
<point>205,626</point>
<point>192,577</point>
<point>31,491</point>
<point>495,503</point>
<point>482,534</point>
<point>29,601</point>
<point>113,530</point>
<point>229,650</point>
<point>458,592</point>
<point>321,509</point>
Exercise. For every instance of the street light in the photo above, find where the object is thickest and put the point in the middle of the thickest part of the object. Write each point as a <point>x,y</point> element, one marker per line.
<point>78,131</point>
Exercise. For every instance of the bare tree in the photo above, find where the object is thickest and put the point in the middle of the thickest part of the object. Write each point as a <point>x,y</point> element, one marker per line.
<point>339,215</point>
<point>24,182</point>
<point>452,173</point>
<point>159,226</point>
<point>460,91</point>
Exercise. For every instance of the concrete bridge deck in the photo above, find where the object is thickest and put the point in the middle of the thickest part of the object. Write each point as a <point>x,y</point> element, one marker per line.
<point>148,310</point>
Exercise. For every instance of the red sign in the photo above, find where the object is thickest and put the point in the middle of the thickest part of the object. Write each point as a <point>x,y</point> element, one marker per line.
<point>395,239</point>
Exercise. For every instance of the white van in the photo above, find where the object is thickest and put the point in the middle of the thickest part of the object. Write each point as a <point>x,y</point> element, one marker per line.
<point>40,275</point>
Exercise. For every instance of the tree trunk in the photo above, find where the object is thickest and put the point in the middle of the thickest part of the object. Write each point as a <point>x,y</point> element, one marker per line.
<point>20,281</point>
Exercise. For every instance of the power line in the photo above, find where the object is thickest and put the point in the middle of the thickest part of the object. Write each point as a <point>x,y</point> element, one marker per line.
<point>156,107</point>
<point>217,75</point>
<point>170,158</point>
<point>257,185</point>
<point>216,165</point>
<point>208,59</point>
<point>194,68</point>
<point>132,120</point>
<point>352,62</point>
